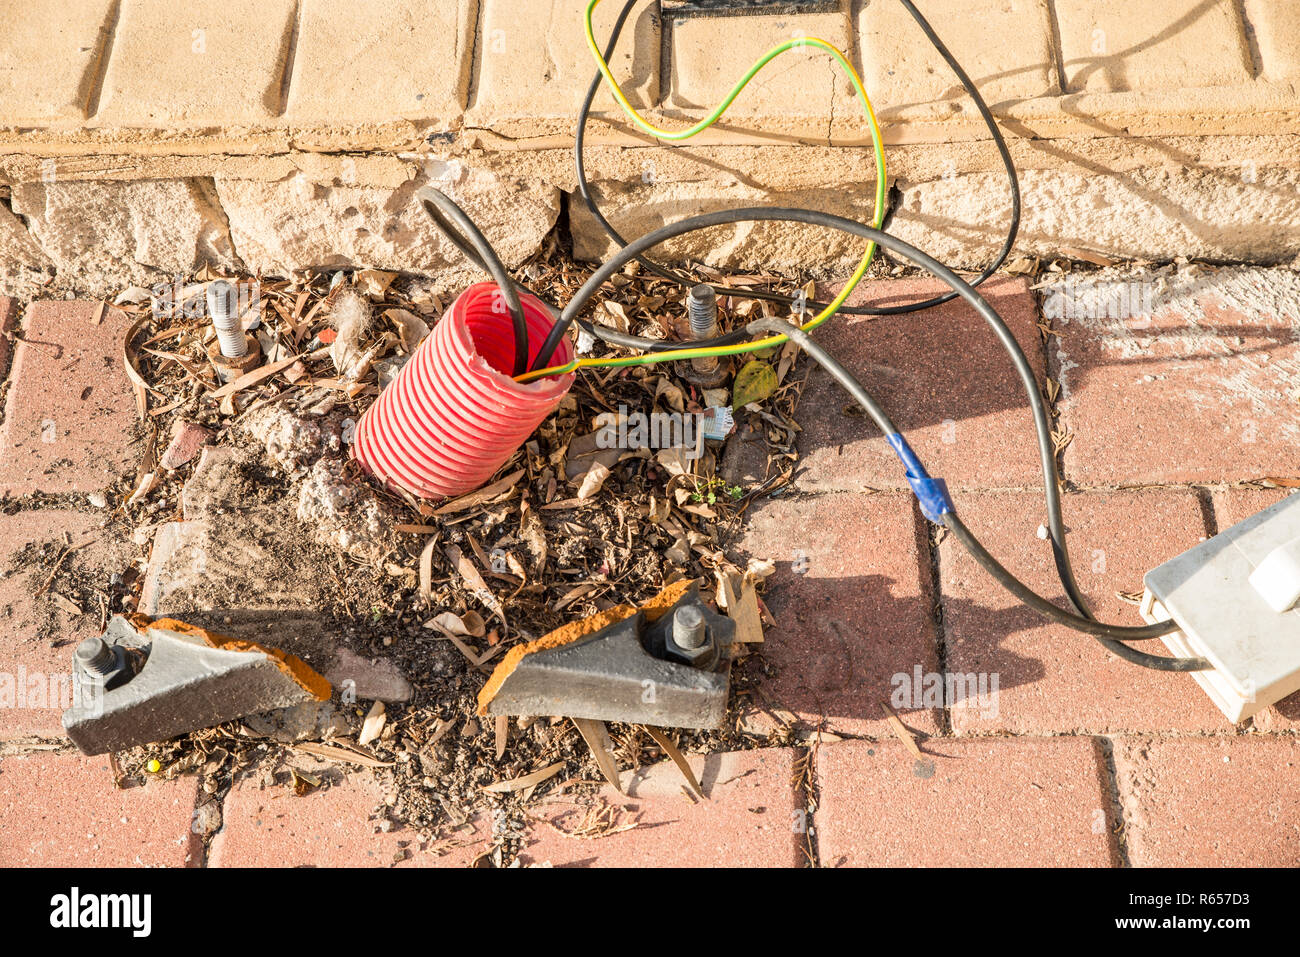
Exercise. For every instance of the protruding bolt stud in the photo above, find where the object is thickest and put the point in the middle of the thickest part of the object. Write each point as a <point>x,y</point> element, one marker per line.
<point>223,308</point>
<point>102,664</point>
<point>95,656</point>
<point>689,628</point>
<point>689,639</point>
<point>234,352</point>
<point>702,311</point>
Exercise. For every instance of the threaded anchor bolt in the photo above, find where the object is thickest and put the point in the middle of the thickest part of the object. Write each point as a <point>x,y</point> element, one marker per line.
<point>702,309</point>
<point>689,628</point>
<point>702,312</point>
<point>95,656</point>
<point>223,307</point>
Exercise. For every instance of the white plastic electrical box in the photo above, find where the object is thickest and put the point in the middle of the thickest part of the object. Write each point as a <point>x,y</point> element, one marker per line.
<point>1234,599</point>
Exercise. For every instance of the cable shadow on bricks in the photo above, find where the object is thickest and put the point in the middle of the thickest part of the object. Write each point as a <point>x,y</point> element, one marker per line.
<point>930,371</point>
<point>843,647</point>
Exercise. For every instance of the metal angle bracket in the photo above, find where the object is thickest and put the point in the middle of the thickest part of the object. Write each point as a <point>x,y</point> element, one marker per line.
<point>666,666</point>
<point>177,678</point>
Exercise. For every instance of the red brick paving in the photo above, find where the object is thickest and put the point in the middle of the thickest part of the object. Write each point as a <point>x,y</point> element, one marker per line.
<point>70,415</point>
<point>752,818</point>
<point>9,315</point>
<point>38,633</point>
<point>1211,802</point>
<point>1199,389</point>
<point>1052,679</point>
<point>997,802</point>
<point>61,810</point>
<point>1233,505</point>
<point>859,613</point>
<point>336,826</point>
<point>855,612</point>
<point>943,379</point>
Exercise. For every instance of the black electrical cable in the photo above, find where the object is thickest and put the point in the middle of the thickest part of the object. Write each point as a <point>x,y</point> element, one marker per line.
<point>1055,520</point>
<point>963,534</point>
<point>1111,636</point>
<point>1056,526</point>
<point>456,225</point>
<point>584,190</point>
<point>960,288</point>
<point>469,239</point>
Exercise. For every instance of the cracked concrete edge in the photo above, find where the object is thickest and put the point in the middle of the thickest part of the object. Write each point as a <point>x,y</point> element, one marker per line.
<point>1223,164</point>
<point>1110,180</point>
<point>153,221</point>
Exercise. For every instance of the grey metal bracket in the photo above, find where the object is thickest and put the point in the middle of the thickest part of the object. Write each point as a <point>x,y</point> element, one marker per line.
<point>178,682</point>
<point>631,671</point>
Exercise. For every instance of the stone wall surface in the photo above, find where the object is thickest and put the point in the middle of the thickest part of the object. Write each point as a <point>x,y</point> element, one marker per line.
<point>140,138</point>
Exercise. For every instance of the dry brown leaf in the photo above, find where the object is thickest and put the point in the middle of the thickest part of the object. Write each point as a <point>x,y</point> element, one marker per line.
<point>572,595</point>
<point>1087,255</point>
<point>374,282</point>
<point>593,481</point>
<point>67,604</point>
<point>900,731</point>
<point>560,505</point>
<point>597,737</point>
<point>583,451</point>
<point>616,314</point>
<point>675,460</point>
<point>527,781</point>
<point>336,752</point>
<point>426,570</point>
<point>468,625</point>
<point>742,607</point>
<point>148,482</point>
<point>138,385</point>
<point>678,758</point>
<point>502,732</point>
<point>373,726</point>
<point>679,552</point>
<point>672,394</point>
<point>474,582</point>
<point>411,329</point>
<point>256,377</point>
<point>485,494</point>
<point>472,656</point>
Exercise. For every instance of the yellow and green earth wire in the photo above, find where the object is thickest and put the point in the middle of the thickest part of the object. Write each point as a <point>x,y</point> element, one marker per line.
<point>676,355</point>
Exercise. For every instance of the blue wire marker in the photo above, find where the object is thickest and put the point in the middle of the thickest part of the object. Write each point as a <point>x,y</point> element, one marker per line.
<point>932,493</point>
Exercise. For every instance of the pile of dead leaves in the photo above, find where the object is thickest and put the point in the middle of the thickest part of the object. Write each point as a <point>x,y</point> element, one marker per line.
<point>565,530</point>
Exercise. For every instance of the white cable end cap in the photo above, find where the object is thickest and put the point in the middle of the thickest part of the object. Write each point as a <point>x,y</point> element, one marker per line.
<point>1277,579</point>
